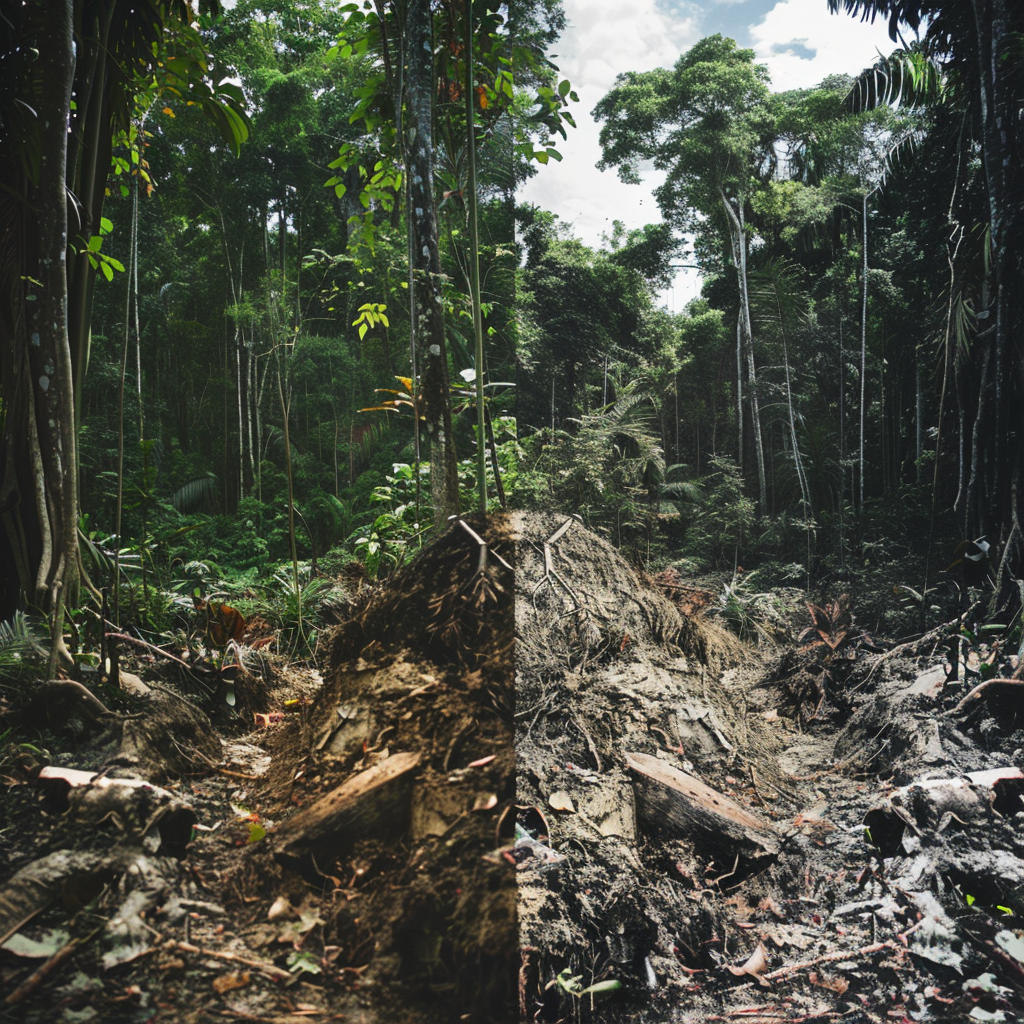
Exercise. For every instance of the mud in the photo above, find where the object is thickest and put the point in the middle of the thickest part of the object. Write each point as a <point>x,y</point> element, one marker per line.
<point>526,872</point>
<point>877,905</point>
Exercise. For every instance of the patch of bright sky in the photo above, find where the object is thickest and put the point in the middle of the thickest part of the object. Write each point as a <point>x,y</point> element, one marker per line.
<point>798,39</point>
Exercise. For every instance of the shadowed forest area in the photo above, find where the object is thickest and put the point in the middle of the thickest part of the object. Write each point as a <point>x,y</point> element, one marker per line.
<point>405,616</point>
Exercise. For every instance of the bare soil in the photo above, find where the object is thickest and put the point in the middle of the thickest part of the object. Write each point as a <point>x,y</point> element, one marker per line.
<point>880,903</point>
<point>525,869</point>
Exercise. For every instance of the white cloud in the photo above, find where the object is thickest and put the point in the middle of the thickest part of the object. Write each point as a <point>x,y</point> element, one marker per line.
<point>840,44</point>
<point>605,37</point>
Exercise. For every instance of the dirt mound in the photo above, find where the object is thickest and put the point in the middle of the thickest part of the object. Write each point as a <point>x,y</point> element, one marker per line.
<point>419,669</point>
<point>687,834</point>
<point>698,845</point>
<point>611,685</point>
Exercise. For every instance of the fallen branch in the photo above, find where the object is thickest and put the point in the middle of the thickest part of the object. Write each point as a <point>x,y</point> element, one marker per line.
<point>980,689</point>
<point>827,958</point>
<point>38,976</point>
<point>933,634</point>
<point>149,647</point>
<point>277,973</point>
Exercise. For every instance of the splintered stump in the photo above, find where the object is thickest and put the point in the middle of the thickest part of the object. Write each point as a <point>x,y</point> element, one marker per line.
<point>684,806</point>
<point>375,804</point>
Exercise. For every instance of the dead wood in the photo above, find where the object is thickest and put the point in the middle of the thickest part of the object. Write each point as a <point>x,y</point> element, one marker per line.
<point>141,812</point>
<point>277,973</point>
<point>981,688</point>
<point>685,806</point>
<point>58,704</point>
<point>376,803</point>
<point>172,739</point>
<point>37,977</point>
<point>827,958</point>
<point>74,877</point>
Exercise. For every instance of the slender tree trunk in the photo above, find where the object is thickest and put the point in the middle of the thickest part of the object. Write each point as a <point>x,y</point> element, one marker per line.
<point>997,24</point>
<point>863,343</point>
<point>52,425</point>
<point>745,346</point>
<point>474,260</point>
<point>798,464</point>
<point>88,161</point>
<point>429,310</point>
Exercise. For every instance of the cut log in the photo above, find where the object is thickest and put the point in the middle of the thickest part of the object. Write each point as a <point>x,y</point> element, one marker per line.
<point>76,876</point>
<point>375,804</point>
<point>935,804</point>
<point>684,806</point>
<point>160,821</point>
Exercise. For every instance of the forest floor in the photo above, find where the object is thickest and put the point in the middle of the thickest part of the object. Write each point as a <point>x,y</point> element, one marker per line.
<point>646,821</point>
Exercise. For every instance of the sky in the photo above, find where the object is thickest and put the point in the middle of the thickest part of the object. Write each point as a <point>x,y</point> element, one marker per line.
<point>799,41</point>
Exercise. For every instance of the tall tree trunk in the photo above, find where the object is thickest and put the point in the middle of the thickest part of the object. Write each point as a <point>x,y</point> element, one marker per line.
<point>52,425</point>
<point>745,342</point>
<point>428,308</point>
<point>998,23</point>
<point>88,162</point>
<point>474,261</point>
<point>863,342</point>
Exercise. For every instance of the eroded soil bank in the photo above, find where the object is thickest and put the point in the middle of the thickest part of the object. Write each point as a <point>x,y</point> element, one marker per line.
<point>647,822</point>
<point>698,834</point>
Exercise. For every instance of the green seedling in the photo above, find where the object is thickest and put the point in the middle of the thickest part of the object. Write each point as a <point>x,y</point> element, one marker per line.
<point>302,962</point>
<point>573,985</point>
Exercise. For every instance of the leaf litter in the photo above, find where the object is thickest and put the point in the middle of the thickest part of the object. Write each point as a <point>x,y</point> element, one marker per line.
<point>650,821</point>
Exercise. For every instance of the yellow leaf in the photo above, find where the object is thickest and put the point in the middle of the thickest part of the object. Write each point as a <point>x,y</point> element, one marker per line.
<point>168,111</point>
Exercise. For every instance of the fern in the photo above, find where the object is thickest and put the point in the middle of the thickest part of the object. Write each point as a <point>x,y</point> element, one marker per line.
<point>19,646</point>
<point>196,494</point>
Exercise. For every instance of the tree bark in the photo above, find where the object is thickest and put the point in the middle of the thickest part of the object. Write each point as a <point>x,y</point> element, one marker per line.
<point>745,345</point>
<point>427,304</point>
<point>997,23</point>
<point>49,561</point>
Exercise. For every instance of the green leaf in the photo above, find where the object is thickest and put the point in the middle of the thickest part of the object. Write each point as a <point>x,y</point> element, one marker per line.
<point>363,328</point>
<point>601,986</point>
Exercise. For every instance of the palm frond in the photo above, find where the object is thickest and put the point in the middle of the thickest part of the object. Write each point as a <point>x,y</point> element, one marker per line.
<point>19,646</point>
<point>907,79</point>
<point>196,494</point>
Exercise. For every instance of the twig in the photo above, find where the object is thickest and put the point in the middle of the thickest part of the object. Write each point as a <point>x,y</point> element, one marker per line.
<point>718,881</point>
<point>981,687</point>
<point>149,647</point>
<point>827,958</point>
<point>590,743</point>
<point>753,784</point>
<point>38,976</point>
<point>933,634</point>
<point>277,973</point>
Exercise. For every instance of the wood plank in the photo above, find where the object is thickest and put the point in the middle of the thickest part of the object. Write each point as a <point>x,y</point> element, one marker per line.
<point>684,806</point>
<point>373,804</point>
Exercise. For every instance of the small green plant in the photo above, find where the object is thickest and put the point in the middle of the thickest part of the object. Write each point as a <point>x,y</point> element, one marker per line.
<point>751,616</point>
<point>301,961</point>
<point>21,651</point>
<point>291,612</point>
<point>830,644</point>
<point>572,984</point>
<point>395,532</point>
